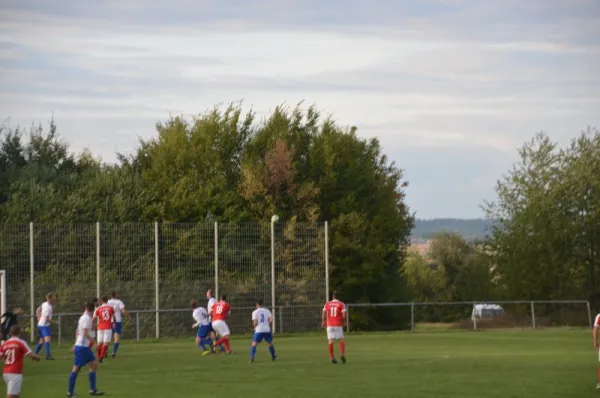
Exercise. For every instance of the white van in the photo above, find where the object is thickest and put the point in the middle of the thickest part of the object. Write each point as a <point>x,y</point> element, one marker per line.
<point>486,311</point>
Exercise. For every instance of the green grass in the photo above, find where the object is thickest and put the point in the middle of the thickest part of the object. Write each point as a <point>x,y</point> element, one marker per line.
<point>553,363</point>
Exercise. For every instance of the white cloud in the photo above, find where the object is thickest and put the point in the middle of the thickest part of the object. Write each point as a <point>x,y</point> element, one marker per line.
<point>437,76</point>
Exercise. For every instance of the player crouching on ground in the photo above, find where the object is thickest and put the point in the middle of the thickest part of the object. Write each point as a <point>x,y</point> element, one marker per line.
<point>14,351</point>
<point>261,321</point>
<point>83,353</point>
<point>200,315</point>
<point>221,311</point>
<point>334,316</point>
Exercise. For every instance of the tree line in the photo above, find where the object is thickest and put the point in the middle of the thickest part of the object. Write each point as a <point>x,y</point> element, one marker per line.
<point>225,165</point>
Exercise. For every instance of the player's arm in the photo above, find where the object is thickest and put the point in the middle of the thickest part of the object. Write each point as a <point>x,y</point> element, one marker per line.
<point>124,311</point>
<point>38,313</point>
<point>198,319</point>
<point>324,317</point>
<point>32,355</point>
<point>595,334</point>
<point>254,321</point>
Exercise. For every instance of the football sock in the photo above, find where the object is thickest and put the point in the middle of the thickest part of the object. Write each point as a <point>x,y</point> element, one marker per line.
<point>92,381</point>
<point>99,350</point>
<point>104,350</point>
<point>252,352</point>
<point>272,351</point>
<point>38,348</point>
<point>331,350</point>
<point>72,380</point>
<point>47,347</point>
<point>226,344</point>
<point>342,348</point>
<point>115,348</point>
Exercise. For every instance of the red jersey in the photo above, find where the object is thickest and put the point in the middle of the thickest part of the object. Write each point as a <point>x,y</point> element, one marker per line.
<point>13,351</point>
<point>335,310</point>
<point>105,314</point>
<point>220,311</point>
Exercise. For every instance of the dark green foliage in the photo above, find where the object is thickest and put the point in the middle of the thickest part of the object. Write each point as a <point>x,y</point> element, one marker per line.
<point>222,166</point>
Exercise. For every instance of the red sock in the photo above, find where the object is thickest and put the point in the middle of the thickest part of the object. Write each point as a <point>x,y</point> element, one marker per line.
<point>99,350</point>
<point>331,350</point>
<point>221,341</point>
<point>227,346</point>
<point>104,350</point>
<point>342,347</point>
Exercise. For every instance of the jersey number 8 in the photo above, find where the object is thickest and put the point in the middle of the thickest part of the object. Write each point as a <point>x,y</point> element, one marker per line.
<point>219,309</point>
<point>262,318</point>
<point>105,315</point>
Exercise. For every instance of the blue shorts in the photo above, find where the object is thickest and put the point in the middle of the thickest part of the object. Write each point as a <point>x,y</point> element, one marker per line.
<point>83,356</point>
<point>203,331</point>
<point>44,331</point>
<point>118,328</point>
<point>258,337</point>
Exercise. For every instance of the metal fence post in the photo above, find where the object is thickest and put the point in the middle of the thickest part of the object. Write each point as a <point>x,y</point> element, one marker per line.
<point>475,322</point>
<point>273,271</point>
<point>31,283</point>
<point>59,329</point>
<point>412,317</point>
<point>156,280</point>
<point>589,311</point>
<point>280,320</point>
<point>326,261</point>
<point>216,259</point>
<point>97,259</point>
<point>533,314</point>
<point>137,326</point>
<point>347,319</point>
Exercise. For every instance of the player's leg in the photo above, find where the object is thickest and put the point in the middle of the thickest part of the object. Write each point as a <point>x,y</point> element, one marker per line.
<point>269,340</point>
<point>75,371</point>
<point>340,338</point>
<point>256,338</point>
<point>93,365</point>
<point>598,385</point>
<point>117,337</point>
<point>222,329</point>
<point>330,340</point>
<point>40,343</point>
<point>45,333</point>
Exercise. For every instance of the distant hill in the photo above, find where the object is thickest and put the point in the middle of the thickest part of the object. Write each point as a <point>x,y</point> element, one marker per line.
<point>469,229</point>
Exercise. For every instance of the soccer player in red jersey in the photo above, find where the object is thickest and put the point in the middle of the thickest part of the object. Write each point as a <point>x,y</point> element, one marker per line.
<point>14,351</point>
<point>220,312</point>
<point>105,315</point>
<point>333,317</point>
<point>597,344</point>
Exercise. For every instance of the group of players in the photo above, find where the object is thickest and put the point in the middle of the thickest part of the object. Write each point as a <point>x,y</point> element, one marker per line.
<point>212,335</point>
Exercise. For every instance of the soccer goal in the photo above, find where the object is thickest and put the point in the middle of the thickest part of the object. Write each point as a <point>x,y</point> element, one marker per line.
<point>2,292</point>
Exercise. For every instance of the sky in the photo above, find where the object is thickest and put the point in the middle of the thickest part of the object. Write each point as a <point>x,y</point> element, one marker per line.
<point>451,88</point>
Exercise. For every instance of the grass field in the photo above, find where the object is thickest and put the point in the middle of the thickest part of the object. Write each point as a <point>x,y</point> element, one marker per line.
<point>556,363</point>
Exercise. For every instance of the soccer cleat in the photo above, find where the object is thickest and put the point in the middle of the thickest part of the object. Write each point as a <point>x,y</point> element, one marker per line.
<point>71,395</point>
<point>274,358</point>
<point>205,353</point>
<point>96,393</point>
<point>251,361</point>
<point>333,361</point>
<point>114,356</point>
<point>598,386</point>
<point>343,359</point>
<point>50,359</point>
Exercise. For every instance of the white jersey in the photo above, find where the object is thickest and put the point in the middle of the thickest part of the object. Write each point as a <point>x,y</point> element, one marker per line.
<point>211,302</point>
<point>46,314</point>
<point>262,317</point>
<point>200,316</point>
<point>85,322</point>
<point>118,306</point>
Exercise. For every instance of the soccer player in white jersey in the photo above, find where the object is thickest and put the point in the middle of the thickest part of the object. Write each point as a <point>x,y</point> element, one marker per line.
<point>200,315</point>
<point>120,310</point>
<point>261,321</point>
<point>209,307</point>
<point>83,353</point>
<point>44,316</point>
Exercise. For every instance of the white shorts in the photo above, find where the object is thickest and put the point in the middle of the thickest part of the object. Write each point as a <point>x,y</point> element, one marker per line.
<point>335,332</point>
<point>13,383</point>
<point>221,328</point>
<point>104,336</point>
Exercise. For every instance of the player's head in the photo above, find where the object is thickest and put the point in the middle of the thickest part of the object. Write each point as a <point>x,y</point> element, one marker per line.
<point>334,296</point>
<point>209,293</point>
<point>89,307</point>
<point>223,297</point>
<point>113,294</point>
<point>259,303</point>
<point>105,299</point>
<point>15,331</point>
<point>50,297</point>
<point>193,304</point>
